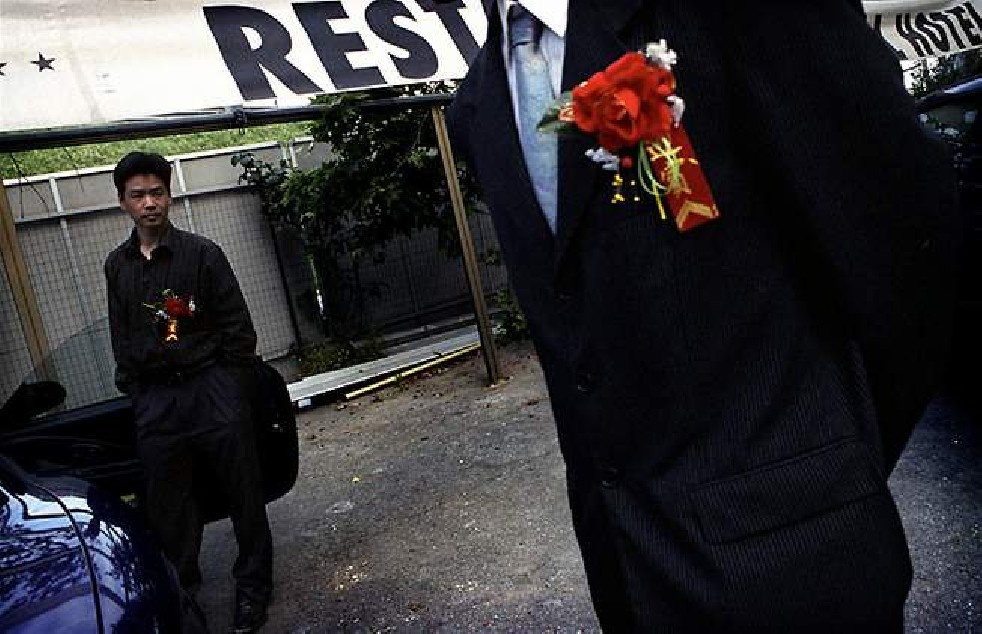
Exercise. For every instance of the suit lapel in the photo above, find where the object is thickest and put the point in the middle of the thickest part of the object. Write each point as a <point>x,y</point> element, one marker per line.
<point>593,41</point>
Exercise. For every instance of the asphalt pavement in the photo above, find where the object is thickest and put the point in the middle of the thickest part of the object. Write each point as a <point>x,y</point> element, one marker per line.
<point>439,505</point>
<point>938,488</point>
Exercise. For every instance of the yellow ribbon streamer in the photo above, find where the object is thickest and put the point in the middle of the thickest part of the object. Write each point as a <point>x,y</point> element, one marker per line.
<point>648,153</point>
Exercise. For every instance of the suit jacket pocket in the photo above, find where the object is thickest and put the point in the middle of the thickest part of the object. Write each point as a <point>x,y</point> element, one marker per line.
<point>787,492</point>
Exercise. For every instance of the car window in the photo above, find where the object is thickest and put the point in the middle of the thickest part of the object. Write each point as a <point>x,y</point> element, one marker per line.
<point>954,121</point>
<point>83,364</point>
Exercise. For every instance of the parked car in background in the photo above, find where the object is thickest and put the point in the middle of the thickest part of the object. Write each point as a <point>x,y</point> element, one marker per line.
<point>954,114</point>
<point>75,552</point>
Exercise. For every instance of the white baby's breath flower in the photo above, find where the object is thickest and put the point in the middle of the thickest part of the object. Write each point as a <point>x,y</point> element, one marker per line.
<point>678,108</point>
<point>659,53</point>
<point>608,161</point>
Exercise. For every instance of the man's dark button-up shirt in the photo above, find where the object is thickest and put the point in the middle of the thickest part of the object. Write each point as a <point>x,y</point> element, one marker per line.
<point>190,266</point>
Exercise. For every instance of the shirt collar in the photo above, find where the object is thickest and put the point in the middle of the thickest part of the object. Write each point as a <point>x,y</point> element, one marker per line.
<point>552,14</point>
<point>168,240</point>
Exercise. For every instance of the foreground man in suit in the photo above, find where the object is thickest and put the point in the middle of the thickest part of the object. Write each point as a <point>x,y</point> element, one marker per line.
<point>729,400</point>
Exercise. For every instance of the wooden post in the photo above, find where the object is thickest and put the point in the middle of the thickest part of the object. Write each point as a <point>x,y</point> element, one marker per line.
<point>20,285</point>
<point>467,247</point>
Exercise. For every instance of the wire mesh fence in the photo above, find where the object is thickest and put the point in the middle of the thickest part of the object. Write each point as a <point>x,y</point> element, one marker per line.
<point>67,223</point>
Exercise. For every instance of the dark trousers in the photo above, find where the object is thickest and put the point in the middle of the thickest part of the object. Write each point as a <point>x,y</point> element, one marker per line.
<point>195,429</point>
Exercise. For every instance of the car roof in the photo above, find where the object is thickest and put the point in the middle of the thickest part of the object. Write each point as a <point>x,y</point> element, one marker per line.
<point>954,93</point>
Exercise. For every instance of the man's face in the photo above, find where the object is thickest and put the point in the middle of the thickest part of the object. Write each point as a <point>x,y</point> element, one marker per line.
<point>146,200</point>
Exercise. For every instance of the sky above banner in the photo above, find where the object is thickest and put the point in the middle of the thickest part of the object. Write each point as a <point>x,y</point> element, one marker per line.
<point>79,62</point>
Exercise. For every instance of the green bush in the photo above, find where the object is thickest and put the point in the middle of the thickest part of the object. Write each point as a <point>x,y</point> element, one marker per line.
<point>384,178</point>
<point>33,162</point>
<point>333,355</point>
<point>512,323</point>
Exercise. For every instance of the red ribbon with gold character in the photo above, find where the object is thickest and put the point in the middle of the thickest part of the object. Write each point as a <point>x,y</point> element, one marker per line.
<point>632,109</point>
<point>691,202</point>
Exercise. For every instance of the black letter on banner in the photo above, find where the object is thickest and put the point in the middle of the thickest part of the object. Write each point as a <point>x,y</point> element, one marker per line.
<point>422,61</point>
<point>877,23</point>
<point>971,30</point>
<point>449,14</point>
<point>920,44</point>
<point>245,64</point>
<point>951,27</point>
<point>332,48</point>
<point>933,31</point>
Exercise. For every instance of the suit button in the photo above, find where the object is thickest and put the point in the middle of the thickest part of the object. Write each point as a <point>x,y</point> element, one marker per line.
<point>609,477</point>
<point>585,382</point>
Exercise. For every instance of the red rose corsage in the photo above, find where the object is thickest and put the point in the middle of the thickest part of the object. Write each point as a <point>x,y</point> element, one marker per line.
<point>170,311</point>
<point>632,110</point>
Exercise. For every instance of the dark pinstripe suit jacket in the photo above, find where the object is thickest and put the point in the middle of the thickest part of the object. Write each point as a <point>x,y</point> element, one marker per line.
<point>730,401</point>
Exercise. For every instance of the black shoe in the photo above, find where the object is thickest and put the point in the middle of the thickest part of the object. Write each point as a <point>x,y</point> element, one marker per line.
<point>249,615</point>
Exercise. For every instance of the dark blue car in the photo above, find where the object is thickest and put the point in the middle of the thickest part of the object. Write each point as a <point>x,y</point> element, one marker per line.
<point>76,559</point>
<point>954,114</point>
<point>75,553</point>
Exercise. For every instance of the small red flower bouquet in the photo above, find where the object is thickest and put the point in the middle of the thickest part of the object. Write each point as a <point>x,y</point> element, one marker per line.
<point>632,110</point>
<point>170,311</point>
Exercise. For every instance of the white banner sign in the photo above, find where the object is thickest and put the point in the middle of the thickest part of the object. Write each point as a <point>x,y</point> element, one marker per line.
<point>941,28</point>
<point>75,62</point>
<point>78,62</point>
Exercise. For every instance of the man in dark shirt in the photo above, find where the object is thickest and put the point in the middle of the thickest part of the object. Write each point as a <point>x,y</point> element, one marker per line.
<point>183,338</point>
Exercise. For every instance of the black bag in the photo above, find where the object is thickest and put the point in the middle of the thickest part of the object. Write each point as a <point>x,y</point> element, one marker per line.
<point>274,423</point>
